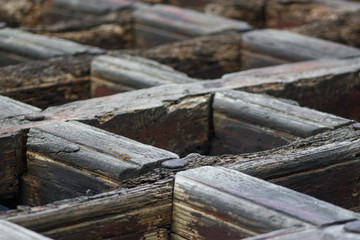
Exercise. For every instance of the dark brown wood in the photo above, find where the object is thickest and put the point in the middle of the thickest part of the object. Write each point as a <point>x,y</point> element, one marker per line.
<point>324,85</point>
<point>161,116</point>
<point>126,73</point>
<point>221,203</point>
<point>11,147</point>
<point>47,83</point>
<point>204,57</point>
<point>142,212</point>
<point>313,166</point>
<point>178,21</point>
<point>245,122</point>
<point>70,159</point>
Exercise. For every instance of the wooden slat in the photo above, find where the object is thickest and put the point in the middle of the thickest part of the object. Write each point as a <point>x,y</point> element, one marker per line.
<point>95,7</point>
<point>69,159</point>
<point>129,214</point>
<point>126,72</point>
<point>39,47</point>
<point>48,82</point>
<point>236,205</point>
<point>247,122</point>
<point>12,146</point>
<point>164,118</point>
<point>323,85</point>
<point>10,231</point>
<point>282,46</point>
<point>334,232</point>
<point>313,166</point>
<point>186,22</point>
<point>12,108</point>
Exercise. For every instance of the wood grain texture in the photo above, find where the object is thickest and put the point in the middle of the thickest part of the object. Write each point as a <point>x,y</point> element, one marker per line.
<point>149,118</point>
<point>12,146</point>
<point>253,206</point>
<point>269,47</point>
<point>187,22</point>
<point>128,72</point>
<point>332,232</point>
<point>183,22</point>
<point>323,85</point>
<point>205,57</point>
<point>95,7</point>
<point>12,108</point>
<point>128,214</point>
<point>245,122</point>
<point>10,231</point>
<point>77,159</point>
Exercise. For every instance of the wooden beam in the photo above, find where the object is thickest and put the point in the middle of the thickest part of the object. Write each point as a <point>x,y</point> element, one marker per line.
<point>161,117</point>
<point>20,45</point>
<point>268,47</point>
<point>49,82</point>
<point>325,84</point>
<point>245,122</point>
<point>312,166</point>
<point>70,159</point>
<point>222,203</point>
<point>167,24</point>
<point>12,147</point>
<point>125,73</point>
<point>144,211</point>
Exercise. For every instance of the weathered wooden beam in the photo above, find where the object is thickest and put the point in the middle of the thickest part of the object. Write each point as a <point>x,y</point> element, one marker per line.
<point>45,83</point>
<point>95,7</point>
<point>12,147</point>
<point>332,232</point>
<point>245,122</point>
<point>271,47</point>
<point>141,212</point>
<point>161,24</point>
<point>312,166</point>
<point>11,231</point>
<point>19,45</point>
<point>207,57</point>
<point>70,159</point>
<point>325,85</point>
<point>160,116</point>
<point>124,73</point>
<point>222,203</point>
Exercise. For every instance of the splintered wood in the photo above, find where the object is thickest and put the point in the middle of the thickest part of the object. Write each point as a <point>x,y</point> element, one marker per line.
<point>185,136</point>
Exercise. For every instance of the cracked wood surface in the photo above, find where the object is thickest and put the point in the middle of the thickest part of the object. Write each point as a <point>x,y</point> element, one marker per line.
<point>143,211</point>
<point>70,159</point>
<point>245,122</point>
<point>221,201</point>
